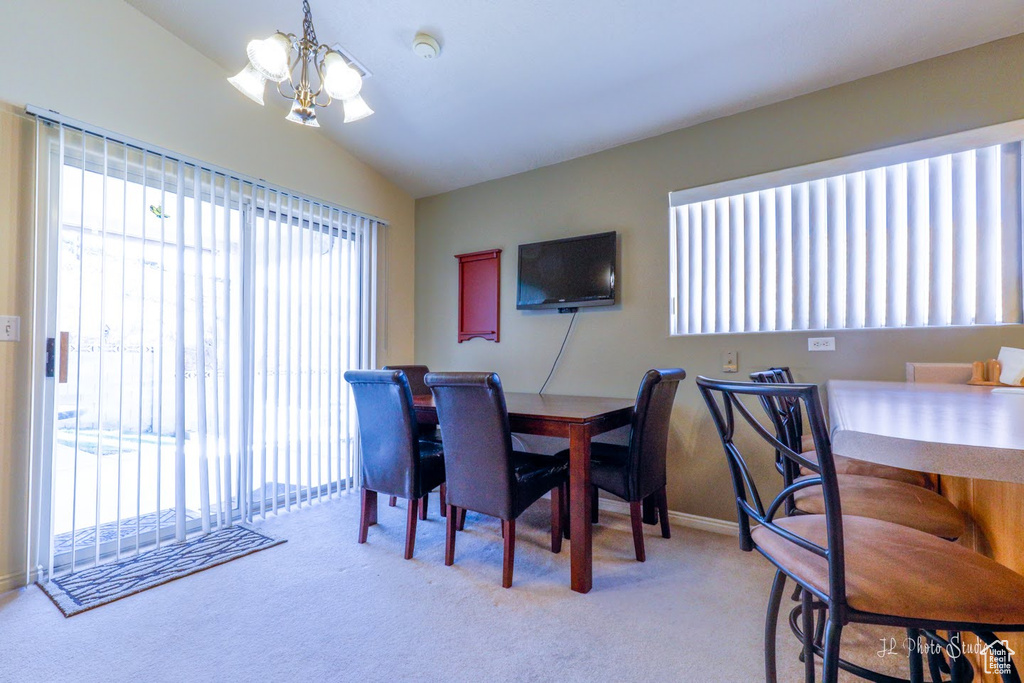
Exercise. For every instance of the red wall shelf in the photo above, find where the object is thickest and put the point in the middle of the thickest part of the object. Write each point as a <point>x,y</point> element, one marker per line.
<point>479,294</point>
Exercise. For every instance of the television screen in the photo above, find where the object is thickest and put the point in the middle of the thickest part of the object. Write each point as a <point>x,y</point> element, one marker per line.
<point>567,273</point>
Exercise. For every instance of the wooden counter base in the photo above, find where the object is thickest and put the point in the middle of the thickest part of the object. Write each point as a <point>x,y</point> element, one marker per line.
<point>995,524</point>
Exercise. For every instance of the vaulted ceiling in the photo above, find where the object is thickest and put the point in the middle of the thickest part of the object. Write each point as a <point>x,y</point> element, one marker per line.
<point>526,83</point>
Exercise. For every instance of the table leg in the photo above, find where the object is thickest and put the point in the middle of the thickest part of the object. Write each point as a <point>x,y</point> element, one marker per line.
<point>581,543</point>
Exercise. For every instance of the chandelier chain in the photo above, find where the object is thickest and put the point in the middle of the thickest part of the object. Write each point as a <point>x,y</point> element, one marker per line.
<point>309,33</point>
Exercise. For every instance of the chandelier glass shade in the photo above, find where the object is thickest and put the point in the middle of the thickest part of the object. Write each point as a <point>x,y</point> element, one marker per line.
<point>291,62</point>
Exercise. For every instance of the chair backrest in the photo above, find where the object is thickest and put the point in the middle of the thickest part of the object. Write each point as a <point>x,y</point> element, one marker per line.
<point>387,425</point>
<point>781,417</point>
<point>477,441</point>
<point>724,400</point>
<point>787,411</point>
<point>415,375</point>
<point>648,435</point>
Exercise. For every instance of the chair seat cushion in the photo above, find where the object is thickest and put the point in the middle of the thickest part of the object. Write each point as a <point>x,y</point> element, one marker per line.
<point>535,476</point>
<point>890,501</point>
<point>609,467</point>
<point>428,432</point>
<point>898,571</point>
<point>431,466</point>
<point>845,465</point>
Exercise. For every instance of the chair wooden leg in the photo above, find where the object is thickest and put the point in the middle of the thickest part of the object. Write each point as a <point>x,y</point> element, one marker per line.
<point>662,496</point>
<point>556,519</point>
<point>509,530</point>
<point>371,517</point>
<point>594,509</point>
<point>393,501</point>
<point>410,528</point>
<point>444,505</point>
<point>651,509</point>
<point>566,507</point>
<point>367,513</point>
<point>449,536</point>
<point>423,506</point>
<point>636,517</point>
<point>462,520</point>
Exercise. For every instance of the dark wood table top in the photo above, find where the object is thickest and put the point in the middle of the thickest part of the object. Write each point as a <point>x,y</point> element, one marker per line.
<point>567,409</point>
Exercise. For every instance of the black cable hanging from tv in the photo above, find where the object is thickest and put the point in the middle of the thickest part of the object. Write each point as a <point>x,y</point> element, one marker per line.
<point>562,348</point>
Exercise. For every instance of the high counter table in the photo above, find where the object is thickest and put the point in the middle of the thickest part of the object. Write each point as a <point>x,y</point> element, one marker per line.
<point>946,429</point>
<point>972,438</point>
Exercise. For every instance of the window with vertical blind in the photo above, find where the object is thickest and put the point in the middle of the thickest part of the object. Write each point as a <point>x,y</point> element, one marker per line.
<point>209,319</point>
<point>926,240</point>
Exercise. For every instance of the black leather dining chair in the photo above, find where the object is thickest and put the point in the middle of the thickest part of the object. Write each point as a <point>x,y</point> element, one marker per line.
<point>425,432</point>
<point>637,471</point>
<point>485,474</point>
<point>395,462</point>
<point>853,569</point>
<point>415,375</point>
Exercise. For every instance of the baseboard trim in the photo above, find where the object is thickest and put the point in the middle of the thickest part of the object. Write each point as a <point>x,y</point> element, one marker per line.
<point>684,519</point>
<point>9,582</point>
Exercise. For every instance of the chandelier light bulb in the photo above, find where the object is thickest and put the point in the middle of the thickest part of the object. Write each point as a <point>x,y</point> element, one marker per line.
<point>341,81</point>
<point>250,83</point>
<point>356,108</point>
<point>269,56</point>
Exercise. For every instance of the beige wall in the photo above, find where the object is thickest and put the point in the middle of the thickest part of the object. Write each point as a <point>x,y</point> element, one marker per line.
<point>625,189</point>
<point>105,63</point>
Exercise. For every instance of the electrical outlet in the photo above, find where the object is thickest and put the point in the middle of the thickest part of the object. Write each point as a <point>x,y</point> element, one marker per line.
<point>730,361</point>
<point>10,328</point>
<point>821,343</point>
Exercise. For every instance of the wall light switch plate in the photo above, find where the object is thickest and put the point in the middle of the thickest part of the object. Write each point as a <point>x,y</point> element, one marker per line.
<point>821,343</point>
<point>730,361</point>
<point>10,328</point>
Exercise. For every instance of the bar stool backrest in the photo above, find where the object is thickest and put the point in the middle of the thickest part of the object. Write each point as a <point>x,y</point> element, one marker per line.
<point>724,400</point>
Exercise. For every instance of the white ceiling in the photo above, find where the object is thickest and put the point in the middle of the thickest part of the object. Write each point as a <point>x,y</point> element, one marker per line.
<point>526,83</point>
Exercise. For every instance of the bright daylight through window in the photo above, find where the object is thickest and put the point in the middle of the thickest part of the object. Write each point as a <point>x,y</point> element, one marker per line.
<point>931,241</point>
<point>206,321</point>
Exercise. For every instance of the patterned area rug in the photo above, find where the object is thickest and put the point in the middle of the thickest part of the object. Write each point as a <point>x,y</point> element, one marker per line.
<point>89,588</point>
<point>129,528</point>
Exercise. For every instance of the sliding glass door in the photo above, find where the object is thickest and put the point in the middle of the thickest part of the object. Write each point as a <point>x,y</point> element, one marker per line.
<point>199,324</point>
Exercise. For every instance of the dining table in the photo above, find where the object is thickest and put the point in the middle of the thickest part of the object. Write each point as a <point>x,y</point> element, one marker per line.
<point>578,419</point>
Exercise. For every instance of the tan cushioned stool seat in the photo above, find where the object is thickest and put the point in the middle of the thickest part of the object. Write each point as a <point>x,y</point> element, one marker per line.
<point>845,465</point>
<point>890,501</point>
<point>899,571</point>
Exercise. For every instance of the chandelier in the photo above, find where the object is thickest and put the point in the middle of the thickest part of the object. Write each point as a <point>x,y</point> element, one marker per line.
<point>282,57</point>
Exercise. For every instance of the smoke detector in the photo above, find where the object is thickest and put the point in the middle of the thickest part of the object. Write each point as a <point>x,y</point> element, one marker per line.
<point>425,46</point>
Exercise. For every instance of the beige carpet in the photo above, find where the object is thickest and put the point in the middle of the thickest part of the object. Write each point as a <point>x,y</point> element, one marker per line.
<point>322,607</point>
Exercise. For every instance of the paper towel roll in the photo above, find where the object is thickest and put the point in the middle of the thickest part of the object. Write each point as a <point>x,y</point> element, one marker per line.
<point>1013,365</point>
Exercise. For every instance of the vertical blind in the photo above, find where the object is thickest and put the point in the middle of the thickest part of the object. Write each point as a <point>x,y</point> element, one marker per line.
<point>209,320</point>
<point>931,242</point>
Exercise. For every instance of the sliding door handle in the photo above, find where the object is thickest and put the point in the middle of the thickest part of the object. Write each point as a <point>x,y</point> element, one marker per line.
<point>62,376</point>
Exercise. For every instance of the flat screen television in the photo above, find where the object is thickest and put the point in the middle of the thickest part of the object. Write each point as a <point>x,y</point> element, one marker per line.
<point>567,273</point>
